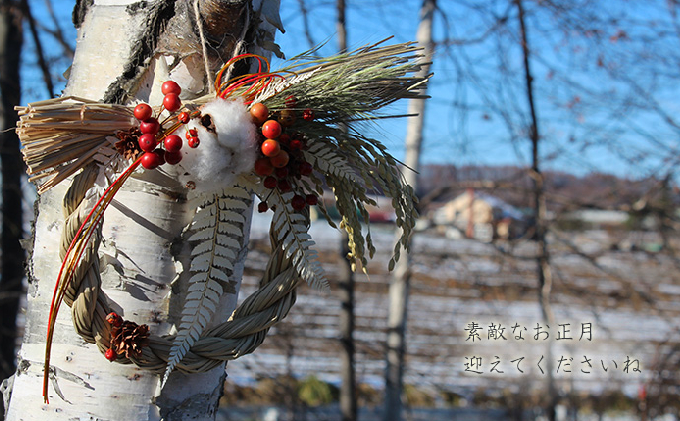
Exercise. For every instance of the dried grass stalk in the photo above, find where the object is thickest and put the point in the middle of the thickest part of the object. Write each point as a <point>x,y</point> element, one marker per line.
<point>62,135</point>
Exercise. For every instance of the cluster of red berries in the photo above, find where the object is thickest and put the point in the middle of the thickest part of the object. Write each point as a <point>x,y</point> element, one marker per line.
<point>152,135</point>
<point>116,321</point>
<point>281,153</point>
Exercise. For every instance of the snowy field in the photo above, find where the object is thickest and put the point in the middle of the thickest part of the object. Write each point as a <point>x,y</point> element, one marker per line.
<point>616,317</point>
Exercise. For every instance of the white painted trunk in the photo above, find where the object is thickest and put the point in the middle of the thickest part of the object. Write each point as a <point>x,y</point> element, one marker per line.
<point>142,231</point>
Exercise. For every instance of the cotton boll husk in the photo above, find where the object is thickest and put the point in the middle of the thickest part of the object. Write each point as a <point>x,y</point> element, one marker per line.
<point>222,155</point>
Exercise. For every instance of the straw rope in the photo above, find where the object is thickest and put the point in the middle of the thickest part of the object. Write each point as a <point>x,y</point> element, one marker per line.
<point>88,304</point>
<point>384,81</point>
<point>238,336</point>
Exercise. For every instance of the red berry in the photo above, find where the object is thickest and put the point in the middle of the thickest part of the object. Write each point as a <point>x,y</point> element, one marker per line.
<point>311,199</point>
<point>110,355</point>
<point>191,133</point>
<point>287,118</point>
<point>143,112</point>
<point>293,168</point>
<point>193,142</point>
<point>161,155</point>
<point>271,129</point>
<point>291,101</point>
<point>171,102</point>
<point>280,160</point>
<point>259,113</point>
<point>147,142</point>
<point>151,160</point>
<point>263,167</point>
<point>183,117</point>
<point>172,143</point>
<point>173,158</point>
<point>270,147</point>
<point>149,126</point>
<point>298,202</point>
<point>305,168</point>
<point>262,207</point>
<point>284,185</point>
<point>170,87</point>
<point>296,144</point>
<point>308,114</point>
<point>114,319</point>
<point>269,182</point>
<point>281,172</point>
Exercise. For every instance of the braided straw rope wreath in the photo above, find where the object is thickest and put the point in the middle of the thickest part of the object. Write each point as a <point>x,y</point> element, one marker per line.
<point>352,165</point>
<point>238,336</point>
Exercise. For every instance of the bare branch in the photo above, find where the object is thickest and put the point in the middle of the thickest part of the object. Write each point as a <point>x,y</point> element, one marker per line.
<point>57,32</point>
<point>42,63</point>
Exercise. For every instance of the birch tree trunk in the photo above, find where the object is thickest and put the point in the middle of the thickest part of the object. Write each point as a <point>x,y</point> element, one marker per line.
<point>399,288</point>
<point>124,51</point>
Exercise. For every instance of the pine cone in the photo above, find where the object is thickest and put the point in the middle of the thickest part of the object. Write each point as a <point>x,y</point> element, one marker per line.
<point>129,338</point>
<point>128,145</point>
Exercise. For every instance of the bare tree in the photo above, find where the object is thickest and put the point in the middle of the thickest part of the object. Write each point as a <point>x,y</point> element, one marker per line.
<point>598,83</point>
<point>399,288</point>
<point>347,285</point>
<point>543,271</point>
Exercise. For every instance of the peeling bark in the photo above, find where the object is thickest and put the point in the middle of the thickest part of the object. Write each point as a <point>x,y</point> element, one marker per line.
<point>154,20</point>
<point>124,53</point>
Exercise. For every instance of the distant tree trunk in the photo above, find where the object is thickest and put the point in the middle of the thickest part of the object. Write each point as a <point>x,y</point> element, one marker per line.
<point>543,271</point>
<point>347,285</point>
<point>11,40</point>
<point>399,288</point>
<point>121,55</point>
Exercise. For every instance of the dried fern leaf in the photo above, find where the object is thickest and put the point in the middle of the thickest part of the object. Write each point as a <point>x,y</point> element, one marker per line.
<point>289,227</point>
<point>327,158</point>
<point>217,230</point>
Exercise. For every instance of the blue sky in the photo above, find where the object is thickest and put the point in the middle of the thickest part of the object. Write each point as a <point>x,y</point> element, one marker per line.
<point>476,133</point>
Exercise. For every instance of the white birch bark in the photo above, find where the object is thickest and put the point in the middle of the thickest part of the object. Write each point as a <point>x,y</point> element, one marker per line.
<point>139,252</point>
<point>400,285</point>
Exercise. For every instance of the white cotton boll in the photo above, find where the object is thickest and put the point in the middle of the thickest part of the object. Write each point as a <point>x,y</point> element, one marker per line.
<point>227,145</point>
